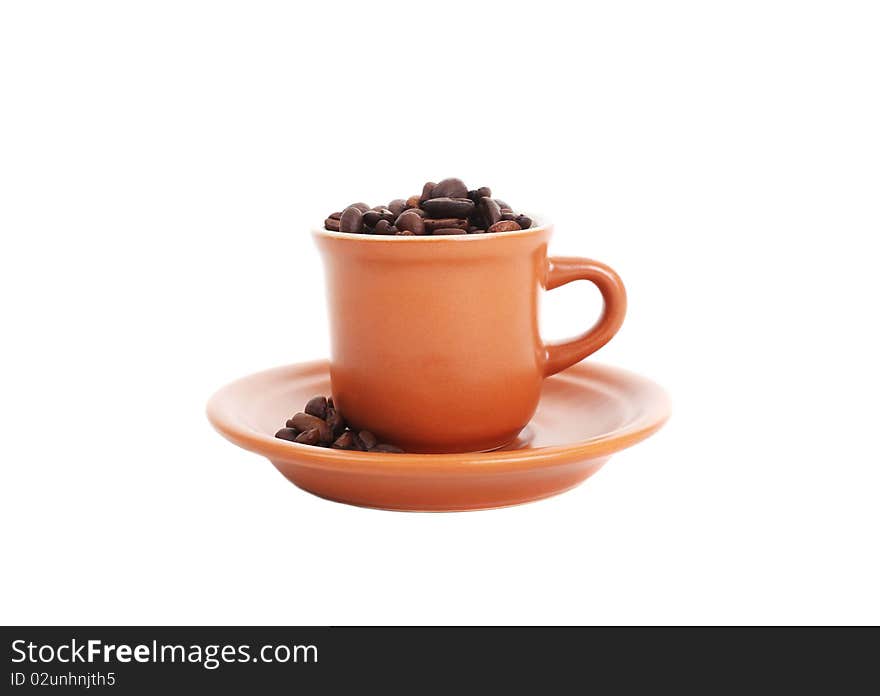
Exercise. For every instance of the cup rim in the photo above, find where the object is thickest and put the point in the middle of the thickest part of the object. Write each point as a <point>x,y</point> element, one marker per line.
<point>434,239</point>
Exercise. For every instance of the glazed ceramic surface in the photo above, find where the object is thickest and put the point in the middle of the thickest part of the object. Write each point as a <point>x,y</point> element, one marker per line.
<point>434,340</point>
<point>584,415</point>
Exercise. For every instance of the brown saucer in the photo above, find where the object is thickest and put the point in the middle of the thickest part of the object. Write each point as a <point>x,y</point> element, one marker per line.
<point>586,413</point>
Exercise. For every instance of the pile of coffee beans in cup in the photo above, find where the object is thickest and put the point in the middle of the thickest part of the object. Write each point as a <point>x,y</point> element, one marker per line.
<point>322,425</point>
<point>447,207</point>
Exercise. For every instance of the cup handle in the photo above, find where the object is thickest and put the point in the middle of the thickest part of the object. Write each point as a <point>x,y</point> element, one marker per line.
<point>564,269</point>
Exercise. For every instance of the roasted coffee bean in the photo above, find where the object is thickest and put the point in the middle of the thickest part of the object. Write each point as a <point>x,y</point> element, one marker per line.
<point>509,215</point>
<point>524,222</point>
<point>317,407</point>
<point>504,226</point>
<point>448,207</point>
<point>309,437</point>
<point>352,220</point>
<point>476,194</point>
<point>287,434</point>
<point>397,206</point>
<point>449,188</point>
<point>491,211</point>
<point>363,207</point>
<point>427,190</point>
<point>417,211</point>
<point>331,224</point>
<point>335,422</point>
<point>347,441</point>
<point>305,421</point>
<point>450,230</point>
<point>502,204</point>
<point>387,448</point>
<point>413,202</point>
<point>383,227</point>
<point>411,222</point>
<point>336,216</point>
<point>432,225</point>
<point>371,217</point>
<point>368,440</point>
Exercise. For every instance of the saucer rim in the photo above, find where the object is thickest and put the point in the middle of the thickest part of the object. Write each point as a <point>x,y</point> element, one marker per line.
<point>643,425</point>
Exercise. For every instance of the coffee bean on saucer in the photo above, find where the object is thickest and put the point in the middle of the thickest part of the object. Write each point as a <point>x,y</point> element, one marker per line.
<point>432,225</point>
<point>509,215</point>
<point>415,211</point>
<point>317,407</point>
<point>502,204</point>
<point>413,202</point>
<point>411,222</point>
<point>309,437</point>
<point>335,216</point>
<point>335,422</point>
<point>347,441</point>
<point>331,224</point>
<point>524,222</point>
<point>363,207</point>
<point>450,230</point>
<point>368,440</point>
<point>352,220</point>
<point>427,190</point>
<point>305,421</point>
<point>448,207</point>
<point>397,206</point>
<point>449,188</point>
<point>504,226</point>
<point>387,448</point>
<point>287,434</point>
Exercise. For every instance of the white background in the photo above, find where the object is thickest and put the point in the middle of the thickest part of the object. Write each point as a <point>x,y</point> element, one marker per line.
<point>161,164</point>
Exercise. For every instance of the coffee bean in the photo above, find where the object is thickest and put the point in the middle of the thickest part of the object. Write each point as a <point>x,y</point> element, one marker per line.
<point>317,407</point>
<point>449,188</point>
<point>331,224</point>
<point>524,222</point>
<point>432,225</point>
<point>305,421</point>
<point>363,207</point>
<point>476,194</point>
<point>509,215</point>
<point>427,190</point>
<point>287,434</point>
<point>490,210</point>
<point>352,220</point>
<point>450,230</point>
<point>397,206</point>
<point>335,216</point>
<point>504,226</point>
<point>413,202</point>
<point>309,437</point>
<point>411,222</point>
<point>347,441</point>
<point>448,207</point>
<point>371,217</point>
<point>383,227</point>
<point>368,440</point>
<point>335,422</point>
<point>502,204</point>
<point>416,211</point>
<point>387,448</point>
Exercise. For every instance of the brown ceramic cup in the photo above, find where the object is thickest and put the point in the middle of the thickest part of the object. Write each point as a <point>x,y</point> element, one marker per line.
<point>435,344</point>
